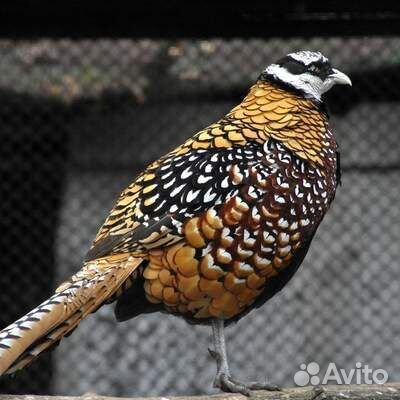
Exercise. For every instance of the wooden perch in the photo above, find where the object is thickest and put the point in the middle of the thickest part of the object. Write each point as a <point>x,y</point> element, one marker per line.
<point>332,392</point>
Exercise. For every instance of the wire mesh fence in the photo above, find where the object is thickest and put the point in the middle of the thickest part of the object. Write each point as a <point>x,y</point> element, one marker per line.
<point>79,119</point>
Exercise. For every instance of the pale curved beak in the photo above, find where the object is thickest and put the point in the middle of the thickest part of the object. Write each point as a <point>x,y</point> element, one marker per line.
<point>339,78</point>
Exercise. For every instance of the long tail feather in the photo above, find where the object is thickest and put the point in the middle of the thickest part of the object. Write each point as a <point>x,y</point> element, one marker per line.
<point>44,326</point>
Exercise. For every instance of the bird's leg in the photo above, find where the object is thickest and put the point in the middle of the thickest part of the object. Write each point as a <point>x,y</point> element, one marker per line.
<point>219,352</point>
<point>223,379</point>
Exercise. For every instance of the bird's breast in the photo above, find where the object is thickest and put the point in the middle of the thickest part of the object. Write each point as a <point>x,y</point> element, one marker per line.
<point>229,251</point>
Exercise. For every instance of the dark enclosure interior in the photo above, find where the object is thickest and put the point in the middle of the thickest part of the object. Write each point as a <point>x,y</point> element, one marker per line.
<point>79,118</point>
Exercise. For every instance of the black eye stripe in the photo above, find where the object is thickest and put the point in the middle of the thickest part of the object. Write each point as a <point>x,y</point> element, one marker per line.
<point>293,66</point>
<point>317,68</point>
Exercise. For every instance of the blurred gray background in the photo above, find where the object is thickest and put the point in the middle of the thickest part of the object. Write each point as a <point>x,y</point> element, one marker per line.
<point>79,119</point>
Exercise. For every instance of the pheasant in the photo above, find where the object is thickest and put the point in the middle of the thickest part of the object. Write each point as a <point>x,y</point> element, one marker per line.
<point>212,229</point>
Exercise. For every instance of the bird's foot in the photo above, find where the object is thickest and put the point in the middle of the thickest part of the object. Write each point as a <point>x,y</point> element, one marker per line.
<point>228,384</point>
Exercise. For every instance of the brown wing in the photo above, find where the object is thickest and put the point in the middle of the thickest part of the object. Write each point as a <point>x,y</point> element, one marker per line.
<point>267,112</point>
<point>177,273</point>
<point>236,252</point>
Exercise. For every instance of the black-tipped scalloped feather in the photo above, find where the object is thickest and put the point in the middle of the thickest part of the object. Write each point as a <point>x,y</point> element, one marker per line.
<point>107,245</point>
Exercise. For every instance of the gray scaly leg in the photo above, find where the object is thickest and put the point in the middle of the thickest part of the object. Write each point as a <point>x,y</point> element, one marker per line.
<point>223,379</point>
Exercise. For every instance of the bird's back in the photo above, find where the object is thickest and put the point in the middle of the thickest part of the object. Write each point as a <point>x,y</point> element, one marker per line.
<point>226,218</point>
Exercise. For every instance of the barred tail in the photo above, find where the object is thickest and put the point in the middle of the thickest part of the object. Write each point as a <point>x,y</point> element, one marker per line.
<point>22,341</point>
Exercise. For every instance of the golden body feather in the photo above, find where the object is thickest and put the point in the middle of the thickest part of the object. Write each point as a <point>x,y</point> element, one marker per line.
<point>223,282</point>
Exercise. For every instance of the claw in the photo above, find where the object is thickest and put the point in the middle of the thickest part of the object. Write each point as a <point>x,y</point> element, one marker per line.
<point>264,386</point>
<point>229,384</point>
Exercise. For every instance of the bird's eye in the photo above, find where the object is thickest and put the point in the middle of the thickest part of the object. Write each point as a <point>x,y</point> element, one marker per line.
<point>314,69</point>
